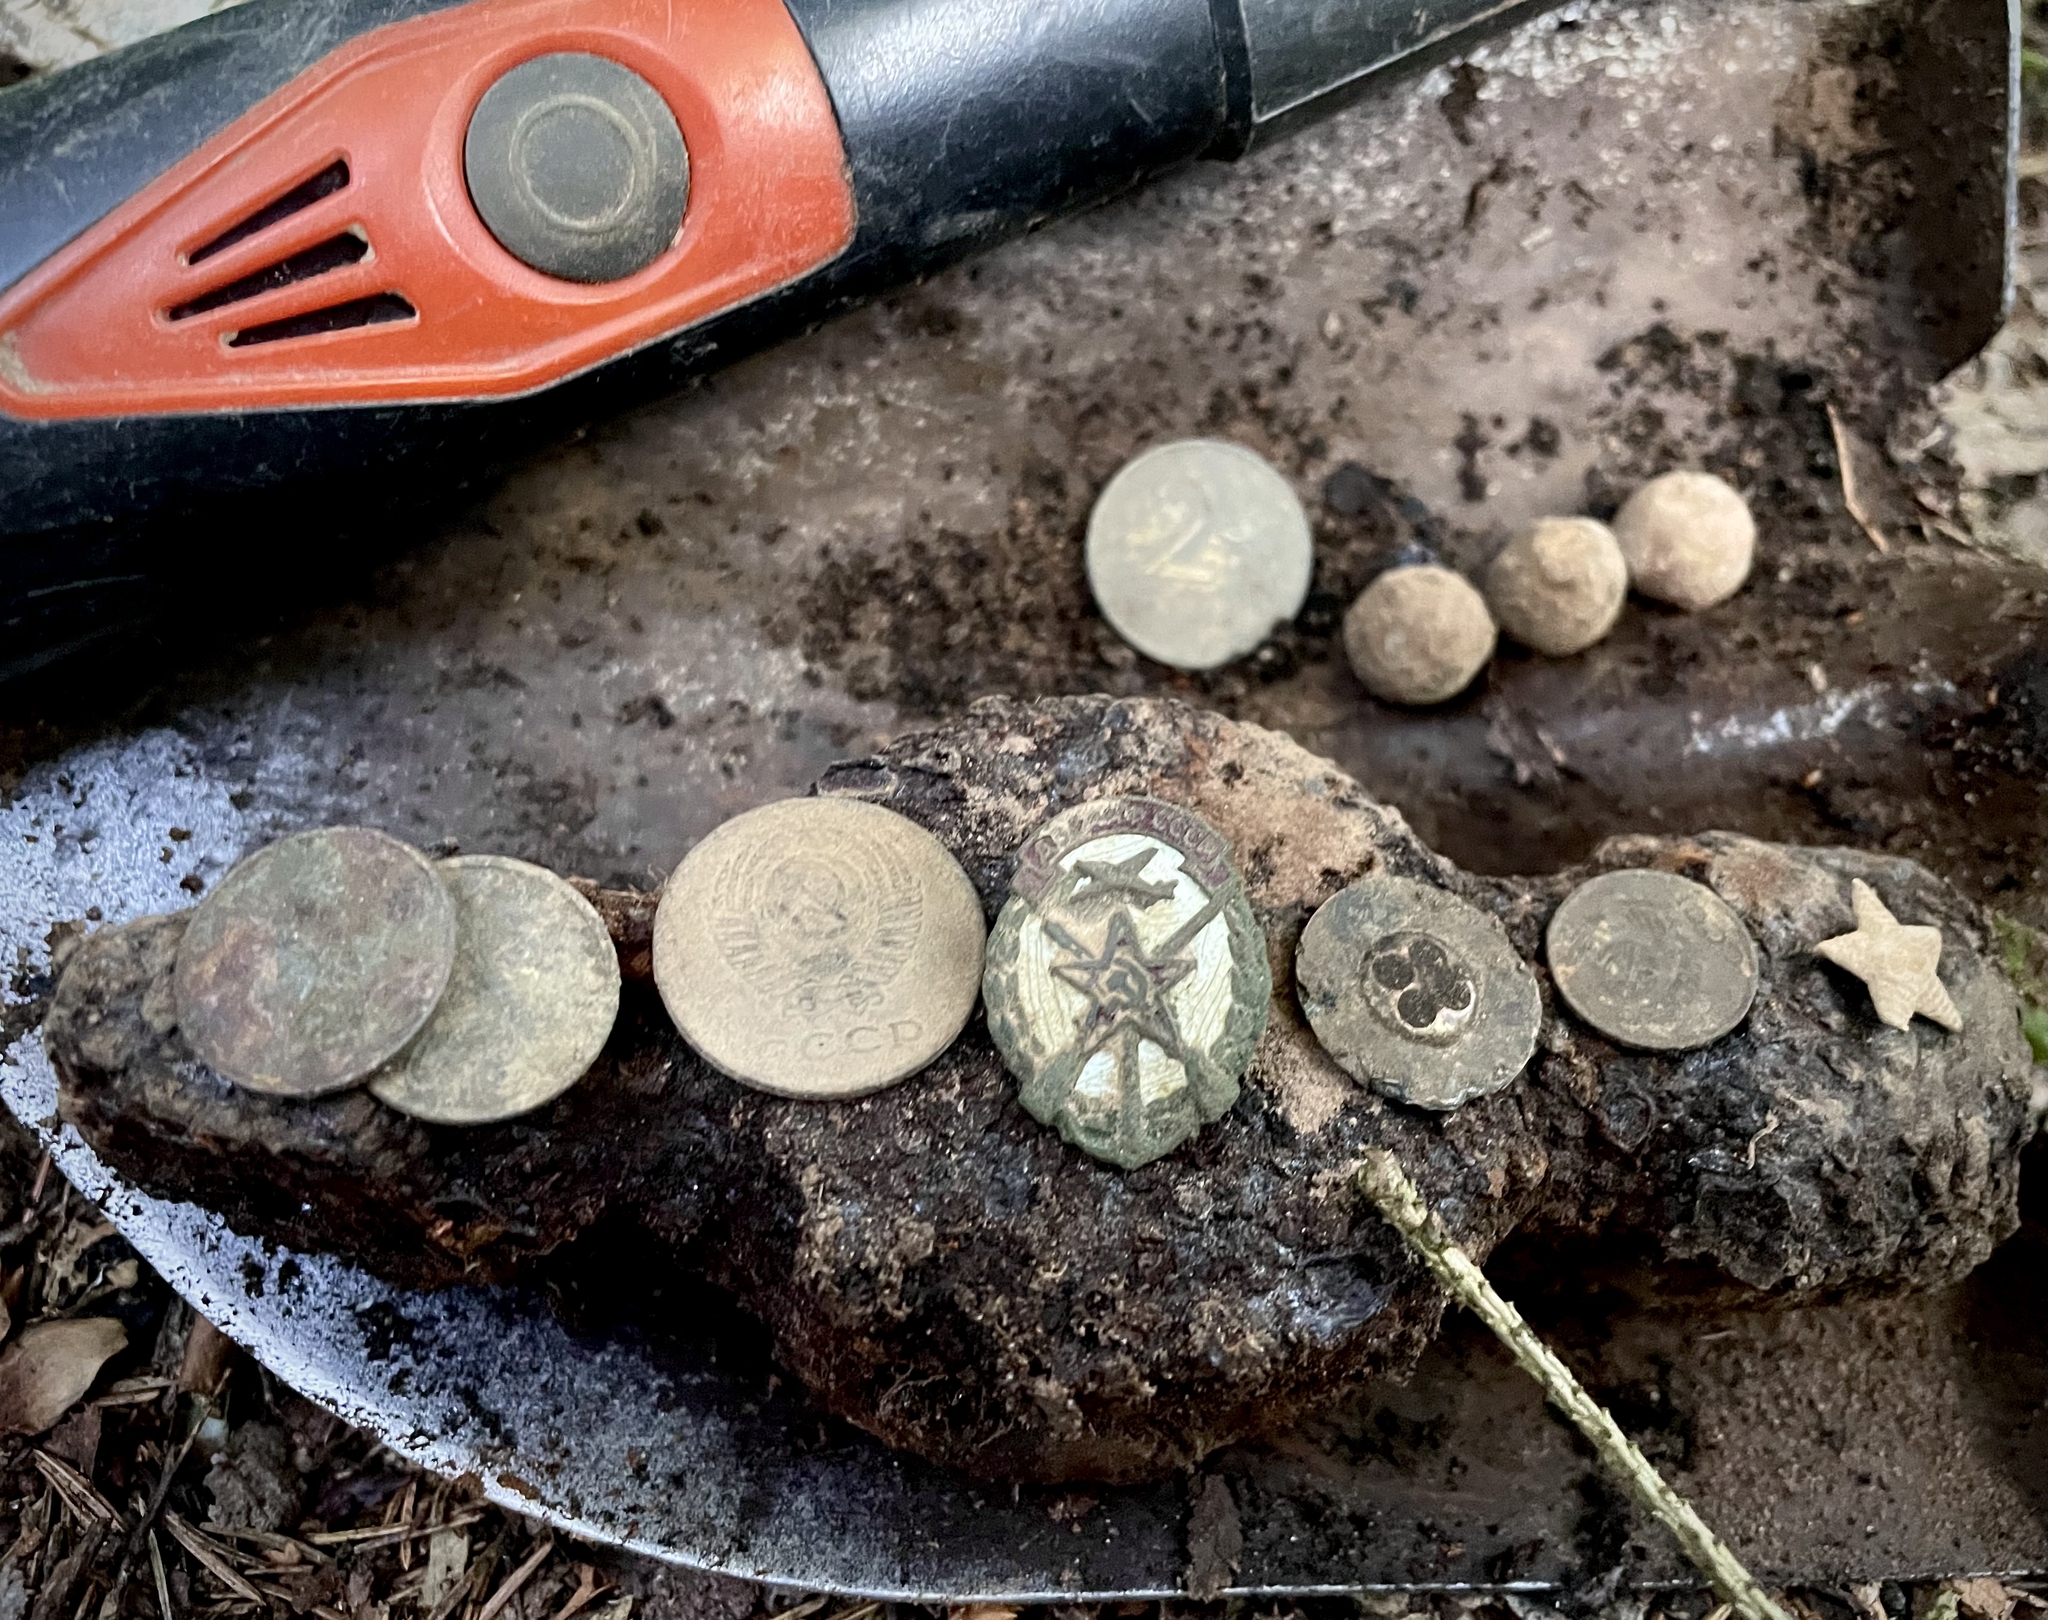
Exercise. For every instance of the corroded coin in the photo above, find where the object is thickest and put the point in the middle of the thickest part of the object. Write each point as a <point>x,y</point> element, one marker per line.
<point>529,1005</point>
<point>1652,960</point>
<point>314,961</point>
<point>1196,551</point>
<point>1127,983</point>
<point>819,947</point>
<point>1417,993</point>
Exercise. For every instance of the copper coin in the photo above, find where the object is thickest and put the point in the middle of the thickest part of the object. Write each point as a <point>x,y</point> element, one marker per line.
<point>314,961</point>
<point>819,948</point>
<point>529,1005</point>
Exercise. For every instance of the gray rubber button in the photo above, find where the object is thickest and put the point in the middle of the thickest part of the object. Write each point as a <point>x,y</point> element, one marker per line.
<point>577,166</point>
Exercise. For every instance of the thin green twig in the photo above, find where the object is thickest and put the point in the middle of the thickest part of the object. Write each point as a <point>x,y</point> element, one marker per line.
<point>1387,1185</point>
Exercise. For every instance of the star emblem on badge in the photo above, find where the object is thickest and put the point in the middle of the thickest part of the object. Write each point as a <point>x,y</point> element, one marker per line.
<point>1895,960</point>
<point>1125,987</point>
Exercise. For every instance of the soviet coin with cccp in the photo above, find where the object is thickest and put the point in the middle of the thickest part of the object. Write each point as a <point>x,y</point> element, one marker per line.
<point>1417,993</point>
<point>819,947</point>
<point>1127,982</point>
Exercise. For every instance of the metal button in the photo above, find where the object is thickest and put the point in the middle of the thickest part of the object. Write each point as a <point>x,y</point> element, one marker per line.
<point>578,167</point>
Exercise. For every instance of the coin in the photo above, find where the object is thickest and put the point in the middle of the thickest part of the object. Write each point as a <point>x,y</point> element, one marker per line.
<point>1196,551</point>
<point>1417,993</point>
<point>314,961</point>
<point>1127,982</point>
<point>529,1005</point>
<point>1652,960</point>
<point>819,947</point>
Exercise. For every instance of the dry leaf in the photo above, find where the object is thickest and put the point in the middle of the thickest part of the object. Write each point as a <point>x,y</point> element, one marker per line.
<point>49,1366</point>
<point>1985,1597</point>
<point>447,1562</point>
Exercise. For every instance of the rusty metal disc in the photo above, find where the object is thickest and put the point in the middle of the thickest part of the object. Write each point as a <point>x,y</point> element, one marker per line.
<point>315,961</point>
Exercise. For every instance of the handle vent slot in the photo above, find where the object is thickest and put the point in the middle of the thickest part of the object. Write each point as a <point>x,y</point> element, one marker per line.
<point>302,196</point>
<point>376,310</point>
<point>350,247</point>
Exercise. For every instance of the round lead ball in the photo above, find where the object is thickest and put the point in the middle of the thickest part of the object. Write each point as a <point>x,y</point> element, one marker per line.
<point>314,961</point>
<point>819,948</point>
<point>1418,635</point>
<point>530,1002</point>
<point>1197,551</point>
<point>1560,586</point>
<point>1688,538</point>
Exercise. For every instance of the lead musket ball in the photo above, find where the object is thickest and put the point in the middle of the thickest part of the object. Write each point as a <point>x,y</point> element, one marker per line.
<point>1688,538</point>
<point>1418,635</point>
<point>1559,587</point>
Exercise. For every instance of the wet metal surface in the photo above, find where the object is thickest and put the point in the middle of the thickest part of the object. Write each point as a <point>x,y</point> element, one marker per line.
<point>1507,291</point>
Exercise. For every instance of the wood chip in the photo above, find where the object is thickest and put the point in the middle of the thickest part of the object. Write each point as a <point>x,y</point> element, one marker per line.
<point>509,1588</point>
<point>133,1391</point>
<point>210,1556</point>
<point>1846,450</point>
<point>75,1490</point>
<point>447,1563</point>
<point>286,1550</point>
<point>1986,1598</point>
<point>588,1586</point>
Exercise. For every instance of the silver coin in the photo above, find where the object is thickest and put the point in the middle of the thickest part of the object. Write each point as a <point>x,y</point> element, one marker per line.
<point>1197,550</point>
<point>819,948</point>
<point>1417,993</point>
<point>529,1004</point>
<point>1127,982</point>
<point>1652,960</point>
<point>314,961</point>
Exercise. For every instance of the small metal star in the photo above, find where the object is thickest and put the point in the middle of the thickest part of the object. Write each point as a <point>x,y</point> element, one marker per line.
<point>1896,961</point>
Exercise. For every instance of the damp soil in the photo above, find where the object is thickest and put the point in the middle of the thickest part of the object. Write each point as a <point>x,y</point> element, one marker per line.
<point>1896,700</point>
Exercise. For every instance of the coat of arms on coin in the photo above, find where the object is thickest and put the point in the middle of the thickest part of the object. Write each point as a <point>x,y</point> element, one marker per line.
<point>1417,993</point>
<point>1652,960</point>
<point>1127,981</point>
<point>819,947</point>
